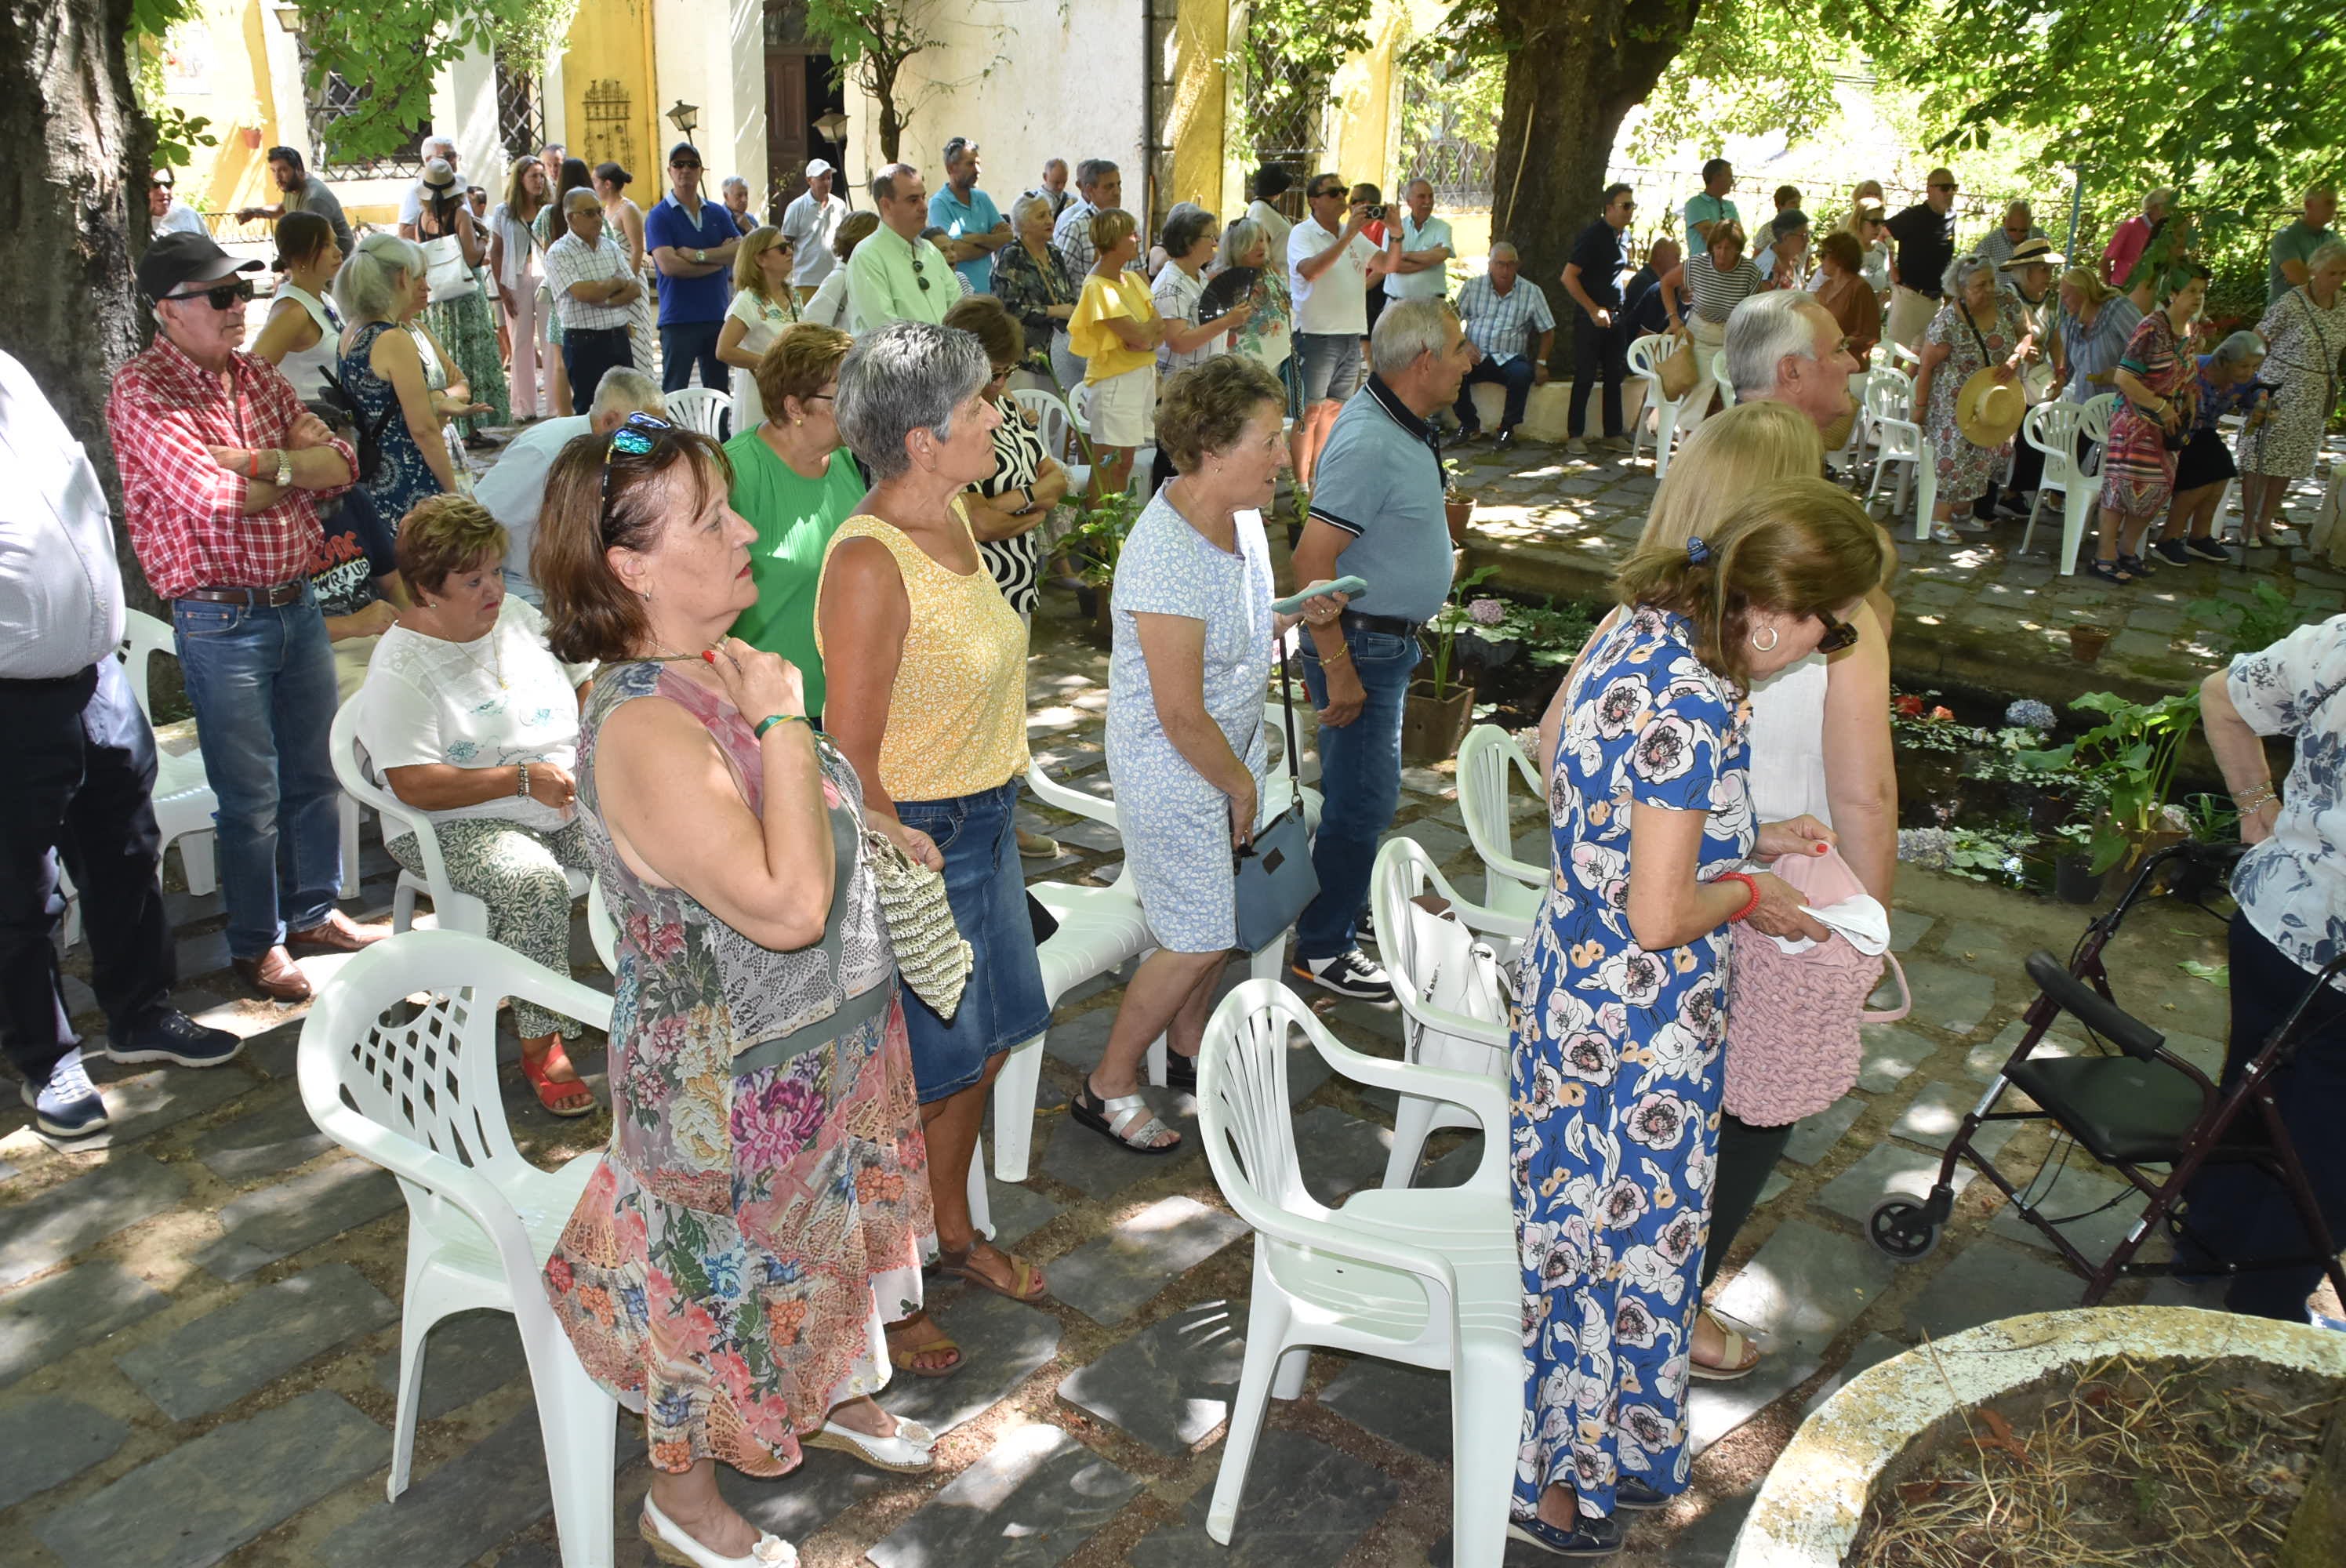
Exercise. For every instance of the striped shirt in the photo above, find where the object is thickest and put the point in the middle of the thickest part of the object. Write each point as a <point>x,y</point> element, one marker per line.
<point>569,261</point>
<point>1716,294</point>
<point>1177,295</point>
<point>1503,325</point>
<point>1998,245</point>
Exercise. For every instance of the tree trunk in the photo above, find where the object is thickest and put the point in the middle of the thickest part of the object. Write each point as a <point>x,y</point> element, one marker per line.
<point>76,196</point>
<point>882,88</point>
<point>1572,75</point>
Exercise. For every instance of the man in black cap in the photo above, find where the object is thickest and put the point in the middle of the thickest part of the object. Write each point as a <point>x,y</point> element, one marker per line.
<point>221,468</point>
<point>80,779</point>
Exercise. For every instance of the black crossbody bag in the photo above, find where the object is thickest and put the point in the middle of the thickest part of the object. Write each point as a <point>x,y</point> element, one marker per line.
<point>1275,877</point>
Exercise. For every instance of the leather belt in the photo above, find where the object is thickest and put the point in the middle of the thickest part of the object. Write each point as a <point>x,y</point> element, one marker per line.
<point>274,598</point>
<point>593,331</point>
<point>1389,625</point>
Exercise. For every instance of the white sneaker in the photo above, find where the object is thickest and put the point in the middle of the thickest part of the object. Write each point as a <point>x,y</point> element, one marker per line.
<point>1350,973</point>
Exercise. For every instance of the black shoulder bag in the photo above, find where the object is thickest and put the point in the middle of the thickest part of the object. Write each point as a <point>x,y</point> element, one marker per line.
<point>1275,879</point>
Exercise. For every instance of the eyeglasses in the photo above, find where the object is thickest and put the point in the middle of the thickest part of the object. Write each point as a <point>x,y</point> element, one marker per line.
<point>223,297</point>
<point>637,438</point>
<point>1001,372</point>
<point>1839,635</point>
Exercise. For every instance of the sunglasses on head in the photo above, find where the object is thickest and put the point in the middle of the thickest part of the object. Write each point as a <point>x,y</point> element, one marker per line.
<point>222,296</point>
<point>637,438</point>
<point>1839,635</point>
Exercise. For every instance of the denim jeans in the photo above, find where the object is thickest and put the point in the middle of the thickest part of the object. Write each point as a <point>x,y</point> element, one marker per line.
<point>263,684</point>
<point>1515,375</point>
<point>683,344</point>
<point>1360,777</point>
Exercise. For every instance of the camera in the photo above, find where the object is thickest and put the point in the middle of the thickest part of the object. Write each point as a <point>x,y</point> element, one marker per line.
<point>1374,211</point>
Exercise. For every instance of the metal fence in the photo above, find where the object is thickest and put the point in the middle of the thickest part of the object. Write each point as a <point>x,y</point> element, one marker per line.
<point>521,110</point>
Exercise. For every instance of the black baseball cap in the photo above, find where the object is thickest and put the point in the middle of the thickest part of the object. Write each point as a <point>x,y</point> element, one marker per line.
<point>684,150</point>
<point>180,258</point>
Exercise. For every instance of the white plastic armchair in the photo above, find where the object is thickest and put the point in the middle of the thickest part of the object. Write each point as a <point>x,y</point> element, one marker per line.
<point>1844,458</point>
<point>414,1090</point>
<point>703,408</point>
<point>1726,384</point>
<point>1432,1036</point>
<point>1646,356</point>
<point>1489,764</point>
<point>1889,399</point>
<point>455,910</point>
<point>1058,432</point>
<point>1425,1276</point>
<point>2052,429</point>
<point>2094,425</point>
<point>185,805</point>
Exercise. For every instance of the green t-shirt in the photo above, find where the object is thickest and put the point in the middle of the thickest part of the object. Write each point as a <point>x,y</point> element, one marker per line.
<point>2298,242</point>
<point>795,519</point>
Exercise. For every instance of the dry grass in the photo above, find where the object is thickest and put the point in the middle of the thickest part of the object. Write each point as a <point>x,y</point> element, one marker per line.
<point>2127,1467</point>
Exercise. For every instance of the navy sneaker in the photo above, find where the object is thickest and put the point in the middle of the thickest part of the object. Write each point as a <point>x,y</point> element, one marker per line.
<point>169,1035</point>
<point>2207,549</point>
<point>67,1106</point>
<point>1585,1537</point>
<point>1350,973</point>
<point>1635,1493</point>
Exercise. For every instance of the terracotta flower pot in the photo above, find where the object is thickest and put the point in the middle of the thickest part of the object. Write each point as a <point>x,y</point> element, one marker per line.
<point>2087,642</point>
<point>1431,728</point>
<point>1461,512</point>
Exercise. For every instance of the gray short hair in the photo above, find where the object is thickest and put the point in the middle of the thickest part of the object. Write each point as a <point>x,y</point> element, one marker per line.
<point>1409,185</point>
<point>730,181</point>
<point>1020,208</point>
<point>627,391</point>
<point>956,145</point>
<point>1508,246</point>
<point>576,198</point>
<point>1240,237</point>
<point>907,376</point>
<point>1092,170</point>
<point>364,286</point>
<point>1184,224</point>
<point>2165,196</point>
<point>1761,331</point>
<point>2241,346</point>
<point>1407,329</point>
<point>1960,270</point>
<point>2326,253</point>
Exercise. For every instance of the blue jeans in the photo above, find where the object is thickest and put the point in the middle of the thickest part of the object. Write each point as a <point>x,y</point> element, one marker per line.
<point>1360,775</point>
<point>683,344</point>
<point>263,683</point>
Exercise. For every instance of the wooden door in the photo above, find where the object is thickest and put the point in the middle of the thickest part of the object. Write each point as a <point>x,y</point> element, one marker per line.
<point>788,135</point>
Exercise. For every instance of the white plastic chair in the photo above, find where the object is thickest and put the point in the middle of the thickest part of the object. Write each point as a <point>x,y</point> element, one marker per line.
<point>1889,398</point>
<point>2052,429</point>
<point>1844,458</point>
<point>415,1091</point>
<point>1646,356</point>
<point>1427,1277</point>
<point>1058,432</point>
<point>1432,1036</point>
<point>456,911</point>
<point>704,409</point>
<point>1143,458</point>
<point>1489,761</point>
<point>185,805</point>
<point>1719,375</point>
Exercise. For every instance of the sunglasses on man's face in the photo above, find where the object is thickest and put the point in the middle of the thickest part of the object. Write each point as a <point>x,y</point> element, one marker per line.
<point>1839,635</point>
<point>222,296</point>
<point>1948,188</point>
<point>686,163</point>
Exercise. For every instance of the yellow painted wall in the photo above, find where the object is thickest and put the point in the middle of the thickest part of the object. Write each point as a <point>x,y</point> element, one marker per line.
<point>214,65</point>
<point>1195,119</point>
<point>611,40</point>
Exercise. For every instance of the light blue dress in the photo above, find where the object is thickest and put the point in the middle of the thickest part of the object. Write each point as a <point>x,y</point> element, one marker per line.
<point>1177,825</point>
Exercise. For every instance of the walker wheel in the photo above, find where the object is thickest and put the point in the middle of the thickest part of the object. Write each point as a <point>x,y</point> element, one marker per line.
<point>1898,1228</point>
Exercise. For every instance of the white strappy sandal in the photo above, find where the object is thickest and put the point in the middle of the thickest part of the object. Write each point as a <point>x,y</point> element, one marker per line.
<point>670,1544</point>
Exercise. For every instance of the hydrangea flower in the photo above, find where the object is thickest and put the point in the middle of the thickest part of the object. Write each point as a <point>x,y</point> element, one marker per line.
<point>2027,713</point>
<point>1931,848</point>
<point>1486,612</point>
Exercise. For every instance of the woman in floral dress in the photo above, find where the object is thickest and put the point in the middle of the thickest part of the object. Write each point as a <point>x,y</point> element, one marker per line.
<point>2305,330</point>
<point>1979,328</point>
<point>1619,1009</point>
<point>2157,403</point>
<point>730,1267</point>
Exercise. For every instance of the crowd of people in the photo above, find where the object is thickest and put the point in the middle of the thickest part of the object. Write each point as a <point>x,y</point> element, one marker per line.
<point>826,616</point>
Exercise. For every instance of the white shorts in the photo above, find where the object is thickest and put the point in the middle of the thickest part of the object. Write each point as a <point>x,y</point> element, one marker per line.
<point>1123,409</point>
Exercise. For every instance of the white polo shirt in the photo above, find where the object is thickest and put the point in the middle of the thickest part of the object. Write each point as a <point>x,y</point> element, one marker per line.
<point>1337,303</point>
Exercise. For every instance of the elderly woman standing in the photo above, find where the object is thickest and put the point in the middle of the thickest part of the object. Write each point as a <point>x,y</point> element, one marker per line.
<point>1008,507</point>
<point>762,307</point>
<point>398,375</point>
<point>1031,281</point>
<point>2226,384</point>
<point>1979,328</point>
<point>2290,887</point>
<point>1619,1017</point>
<point>827,308</point>
<point>1268,334</point>
<point>1189,239</point>
<point>928,666</point>
<point>469,718</point>
<point>2305,330</point>
<point>2154,408</point>
<point>1186,747</point>
<point>1721,279</point>
<point>458,316</point>
<point>756,1219</point>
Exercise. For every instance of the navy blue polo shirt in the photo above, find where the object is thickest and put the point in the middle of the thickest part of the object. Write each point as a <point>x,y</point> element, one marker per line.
<point>683,301</point>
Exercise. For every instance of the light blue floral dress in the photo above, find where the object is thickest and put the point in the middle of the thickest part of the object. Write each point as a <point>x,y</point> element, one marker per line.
<point>1176,825</point>
<point>1613,1114</point>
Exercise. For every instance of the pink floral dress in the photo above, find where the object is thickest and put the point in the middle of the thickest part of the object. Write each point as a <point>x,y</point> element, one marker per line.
<point>757,1219</point>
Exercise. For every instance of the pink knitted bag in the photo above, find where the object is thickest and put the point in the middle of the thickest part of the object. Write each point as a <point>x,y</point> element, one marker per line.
<point>1792,1045</point>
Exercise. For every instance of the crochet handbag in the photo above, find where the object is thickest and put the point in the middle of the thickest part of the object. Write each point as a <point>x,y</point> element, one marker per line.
<point>931,955</point>
<point>1679,370</point>
<point>1792,1041</point>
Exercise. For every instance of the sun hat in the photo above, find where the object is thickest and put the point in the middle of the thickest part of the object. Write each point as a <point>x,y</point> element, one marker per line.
<point>439,174</point>
<point>1988,410</point>
<point>2033,253</point>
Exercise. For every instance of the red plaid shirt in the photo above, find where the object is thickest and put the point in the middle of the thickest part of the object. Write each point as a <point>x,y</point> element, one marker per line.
<point>187,521</point>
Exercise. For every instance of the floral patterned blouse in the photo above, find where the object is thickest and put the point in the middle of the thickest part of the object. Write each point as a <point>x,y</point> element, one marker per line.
<point>1027,289</point>
<point>2292,886</point>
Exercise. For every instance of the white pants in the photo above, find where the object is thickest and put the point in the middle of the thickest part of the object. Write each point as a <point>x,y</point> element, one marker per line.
<point>532,354</point>
<point>1909,318</point>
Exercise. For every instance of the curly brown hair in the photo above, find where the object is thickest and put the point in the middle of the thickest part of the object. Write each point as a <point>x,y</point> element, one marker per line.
<point>444,535</point>
<point>590,613</point>
<point>1205,407</point>
<point>797,364</point>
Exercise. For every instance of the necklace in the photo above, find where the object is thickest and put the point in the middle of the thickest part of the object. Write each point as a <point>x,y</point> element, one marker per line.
<point>667,655</point>
<point>495,667</point>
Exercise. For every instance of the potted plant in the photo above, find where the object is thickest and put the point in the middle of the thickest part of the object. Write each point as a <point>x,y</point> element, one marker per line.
<point>2075,881</point>
<point>2128,762</point>
<point>2086,641</point>
<point>1437,710</point>
<point>1092,547</point>
<point>1458,507</point>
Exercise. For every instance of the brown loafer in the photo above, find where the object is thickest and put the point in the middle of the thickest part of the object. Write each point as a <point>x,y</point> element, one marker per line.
<point>338,934</point>
<point>275,975</point>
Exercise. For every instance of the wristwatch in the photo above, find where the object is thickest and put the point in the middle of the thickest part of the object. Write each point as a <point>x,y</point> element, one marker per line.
<point>700,258</point>
<point>284,468</point>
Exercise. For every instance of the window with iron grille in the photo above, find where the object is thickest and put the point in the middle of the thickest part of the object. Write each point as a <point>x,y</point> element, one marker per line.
<point>332,100</point>
<point>1437,147</point>
<point>521,108</point>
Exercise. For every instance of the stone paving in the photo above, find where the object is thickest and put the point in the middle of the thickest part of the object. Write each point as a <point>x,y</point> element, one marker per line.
<point>199,1319</point>
<point>1980,613</point>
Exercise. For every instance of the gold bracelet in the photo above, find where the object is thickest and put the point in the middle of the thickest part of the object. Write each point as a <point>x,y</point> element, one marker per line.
<point>2255,798</point>
<point>1341,655</point>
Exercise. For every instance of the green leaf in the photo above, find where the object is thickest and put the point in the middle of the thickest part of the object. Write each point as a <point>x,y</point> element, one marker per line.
<point>2216,974</point>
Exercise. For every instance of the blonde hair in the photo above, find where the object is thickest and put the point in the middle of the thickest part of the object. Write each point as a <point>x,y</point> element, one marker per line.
<point>2086,281</point>
<point>1795,546</point>
<point>1109,227</point>
<point>1734,451</point>
<point>747,273</point>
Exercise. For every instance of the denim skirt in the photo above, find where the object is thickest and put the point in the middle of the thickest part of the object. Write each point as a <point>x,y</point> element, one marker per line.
<point>1003,1004</point>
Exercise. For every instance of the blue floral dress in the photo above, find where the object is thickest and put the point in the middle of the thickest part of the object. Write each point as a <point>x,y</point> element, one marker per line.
<point>1613,1117</point>
<point>402,477</point>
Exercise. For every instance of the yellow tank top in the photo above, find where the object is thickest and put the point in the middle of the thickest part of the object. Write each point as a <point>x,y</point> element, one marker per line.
<point>957,712</point>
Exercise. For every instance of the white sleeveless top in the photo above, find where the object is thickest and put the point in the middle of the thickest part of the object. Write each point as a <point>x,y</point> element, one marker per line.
<point>1787,743</point>
<point>305,368</point>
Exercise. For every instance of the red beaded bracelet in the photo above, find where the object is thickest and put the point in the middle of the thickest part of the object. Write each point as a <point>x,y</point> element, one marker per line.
<point>1751,903</point>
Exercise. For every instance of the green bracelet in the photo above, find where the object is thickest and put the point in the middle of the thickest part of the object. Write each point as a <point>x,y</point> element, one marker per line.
<point>771,719</point>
